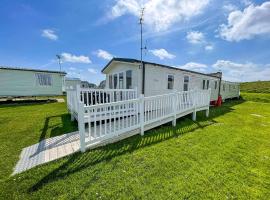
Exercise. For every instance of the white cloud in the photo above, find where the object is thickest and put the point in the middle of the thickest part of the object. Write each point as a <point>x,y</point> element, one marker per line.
<point>92,71</point>
<point>50,34</point>
<point>67,57</point>
<point>232,71</point>
<point>242,71</point>
<point>162,54</point>
<point>160,15</point>
<point>72,68</point>
<point>251,22</point>
<point>194,66</point>
<point>229,65</point>
<point>246,2</point>
<point>104,54</point>
<point>229,7</point>
<point>195,37</point>
<point>198,38</point>
<point>209,47</point>
<point>74,74</point>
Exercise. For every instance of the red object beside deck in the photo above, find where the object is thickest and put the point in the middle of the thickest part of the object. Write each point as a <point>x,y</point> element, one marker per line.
<point>219,101</point>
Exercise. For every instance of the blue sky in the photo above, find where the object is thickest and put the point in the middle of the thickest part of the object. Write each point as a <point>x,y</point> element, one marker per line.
<point>203,35</point>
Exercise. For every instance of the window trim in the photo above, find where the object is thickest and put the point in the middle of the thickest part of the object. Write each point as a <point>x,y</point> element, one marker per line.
<point>207,84</point>
<point>186,83</point>
<point>117,74</point>
<point>110,81</point>
<point>125,75</point>
<point>168,81</point>
<point>115,86</point>
<point>121,84</point>
<point>40,80</point>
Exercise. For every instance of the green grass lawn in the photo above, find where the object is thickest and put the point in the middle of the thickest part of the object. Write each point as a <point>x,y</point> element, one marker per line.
<point>256,97</point>
<point>226,156</point>
<point>256,87</point>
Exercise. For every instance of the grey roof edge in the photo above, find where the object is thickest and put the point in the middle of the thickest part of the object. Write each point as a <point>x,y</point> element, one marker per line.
<point>33,70</point>
<point>131,60</point>
<point>72,79</point>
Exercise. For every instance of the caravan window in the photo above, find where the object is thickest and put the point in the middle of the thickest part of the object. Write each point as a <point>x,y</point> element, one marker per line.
<point>44,79</point>
<point>215,85</point>
<point>110,82</point>
<point>203,84</point>
<point>186,81</point>
<point>128,79</point>
<point>121,80</point>
<point>207,84</point>
<point>170,82</point>
<point>115,81</point>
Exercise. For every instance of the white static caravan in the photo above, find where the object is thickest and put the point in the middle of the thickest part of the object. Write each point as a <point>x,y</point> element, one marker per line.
<point>71,83</point>
<point>154,79</point>
<point>20,82</point>
<point>229,90</point>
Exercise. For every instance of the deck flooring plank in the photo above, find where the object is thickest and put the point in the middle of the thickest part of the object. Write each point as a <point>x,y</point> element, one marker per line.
<point>53,153</point>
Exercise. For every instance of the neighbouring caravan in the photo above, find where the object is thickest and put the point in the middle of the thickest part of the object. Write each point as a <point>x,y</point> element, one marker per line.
<point>71,83</point>
<point>229,89</point>
<point>19,82</point>
<point>155,79</point>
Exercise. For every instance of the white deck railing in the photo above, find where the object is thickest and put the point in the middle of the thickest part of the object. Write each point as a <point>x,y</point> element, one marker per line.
<point>105,121</point>
<point>90,96</point>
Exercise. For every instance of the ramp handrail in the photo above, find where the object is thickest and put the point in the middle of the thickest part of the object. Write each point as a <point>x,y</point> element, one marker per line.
<point>111,119</point>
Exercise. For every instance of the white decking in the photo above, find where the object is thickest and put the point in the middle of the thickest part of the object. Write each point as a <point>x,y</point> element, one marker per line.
<point>105,123</point>
<point>60,146</point>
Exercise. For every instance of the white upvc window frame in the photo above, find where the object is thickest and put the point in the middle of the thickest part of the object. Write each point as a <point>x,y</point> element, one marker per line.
<point>207,84</point>
<point>124,79</point>
<point>110,81</point>
<point>186,83</point>
<point>172,81</point>
<point>41,82</point>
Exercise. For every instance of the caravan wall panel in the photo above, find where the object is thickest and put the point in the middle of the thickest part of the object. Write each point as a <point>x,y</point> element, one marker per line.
<point>23,83</point>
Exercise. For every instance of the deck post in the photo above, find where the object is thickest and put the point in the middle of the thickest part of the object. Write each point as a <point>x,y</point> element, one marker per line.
<point>81,126</point>
<point>142,113</point>
<point>207,113</point>
<point>72,118</point>
<point>209,99</point>
<point>194,114</point>
<point>80,111</point>
<point>175,103</point>
<point>136,92</point>
<point>78,92</point>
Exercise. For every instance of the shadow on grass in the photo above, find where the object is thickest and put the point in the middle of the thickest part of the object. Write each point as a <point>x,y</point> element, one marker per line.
<point>79,161</point>
<point>19,104</point>
<point>65,126</point>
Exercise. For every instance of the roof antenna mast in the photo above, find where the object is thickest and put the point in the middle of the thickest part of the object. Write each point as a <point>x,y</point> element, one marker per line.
<point>141,24</point>
<point>59,61</point>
